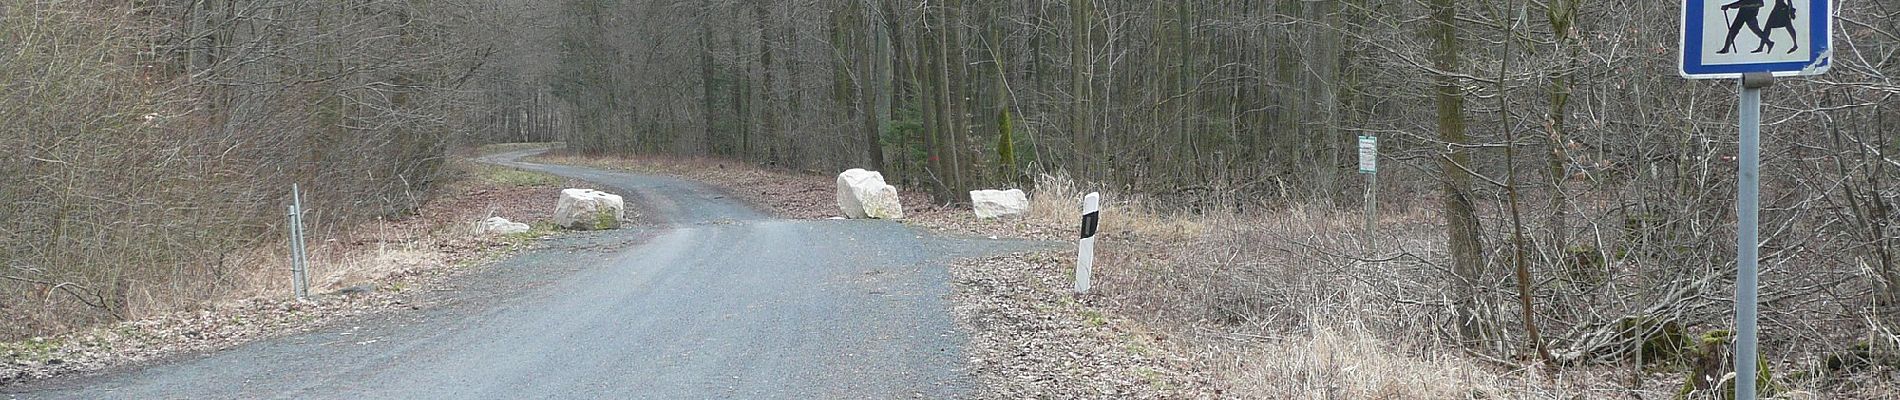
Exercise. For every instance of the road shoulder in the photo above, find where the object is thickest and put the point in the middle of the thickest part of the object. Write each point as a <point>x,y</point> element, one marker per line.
<point>399,266</point>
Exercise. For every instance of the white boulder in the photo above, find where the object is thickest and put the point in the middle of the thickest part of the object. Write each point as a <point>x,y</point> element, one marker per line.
<point>863,194</point>
<point>588,209</point>
<point>502,226</point>
<point>999,203</point>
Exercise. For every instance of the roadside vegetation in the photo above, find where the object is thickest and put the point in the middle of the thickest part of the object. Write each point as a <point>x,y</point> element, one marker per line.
<point>1552,197</point>
<point>374,266</point>
<point>1286,303</point>
<point>1554,204</point>
<point>152,145</point>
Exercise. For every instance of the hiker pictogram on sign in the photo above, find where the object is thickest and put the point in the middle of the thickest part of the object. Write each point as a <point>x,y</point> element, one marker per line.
<point>1725,38</point>
<point>1746,15</point>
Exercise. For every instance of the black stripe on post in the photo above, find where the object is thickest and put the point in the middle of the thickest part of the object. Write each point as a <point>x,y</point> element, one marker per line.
<point>1088,224</point>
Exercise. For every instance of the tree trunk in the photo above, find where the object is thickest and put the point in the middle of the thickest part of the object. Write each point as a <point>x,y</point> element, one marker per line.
<point>1005,126</point>
<point>706,78</point>
<point>949,67</point>
<point>880,87</point>
<point>1461,220</point>
<point>1081,118</point>
<point>1563,17</point>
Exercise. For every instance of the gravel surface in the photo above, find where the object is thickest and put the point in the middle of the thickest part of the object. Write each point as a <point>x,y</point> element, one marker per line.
<point>1027,336</point>
<point>1032,338</point>
<point>717,301</point>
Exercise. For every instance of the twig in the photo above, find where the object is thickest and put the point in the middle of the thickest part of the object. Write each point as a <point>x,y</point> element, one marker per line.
<point>73,289</point>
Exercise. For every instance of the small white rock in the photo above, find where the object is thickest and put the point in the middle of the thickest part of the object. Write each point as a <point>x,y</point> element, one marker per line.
<point>502,226</point>
<point>863,194</point>
<point>588,209</point>
<point>999,203</point>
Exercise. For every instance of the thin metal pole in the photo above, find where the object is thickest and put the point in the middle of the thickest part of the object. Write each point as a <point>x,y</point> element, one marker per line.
<point>1372,209</point>
<point>290,220</point>
<point>300,265</point>
<point>1369,166</point>
<point>1747,245</point>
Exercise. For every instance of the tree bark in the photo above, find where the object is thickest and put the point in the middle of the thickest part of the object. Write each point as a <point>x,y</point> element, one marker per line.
<point>1563,17</point>
<point>1461,220</point>
<point>1081,117</point>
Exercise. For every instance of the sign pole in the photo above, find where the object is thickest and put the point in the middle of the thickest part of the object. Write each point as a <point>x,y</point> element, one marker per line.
<point>1809,28</point>
<point>300,280</point>
<point>1369,166</point>
<point>1372,206</point>
<point>1747,245</point>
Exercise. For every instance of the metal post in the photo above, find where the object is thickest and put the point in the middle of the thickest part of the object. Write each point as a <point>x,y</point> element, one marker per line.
<point>1747,245</point>
<point>290,239</point>
<point>1085,248</point>
<point>1372,208</point>
<point>299,264</point>
<point>1369,166</point>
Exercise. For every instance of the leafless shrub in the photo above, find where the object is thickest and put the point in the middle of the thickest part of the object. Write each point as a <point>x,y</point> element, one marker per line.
<point>152,144</point>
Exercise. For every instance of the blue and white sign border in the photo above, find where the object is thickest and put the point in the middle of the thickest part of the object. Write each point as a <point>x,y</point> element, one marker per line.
<point>1820,51</point>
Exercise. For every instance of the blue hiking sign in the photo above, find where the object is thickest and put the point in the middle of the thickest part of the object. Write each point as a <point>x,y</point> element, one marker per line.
<point>1727,38</point>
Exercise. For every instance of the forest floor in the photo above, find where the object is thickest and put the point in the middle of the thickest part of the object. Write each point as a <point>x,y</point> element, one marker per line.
<point>367,269</point>
<point>1201,307</point>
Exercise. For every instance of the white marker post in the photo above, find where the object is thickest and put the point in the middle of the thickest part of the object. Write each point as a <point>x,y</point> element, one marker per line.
<point>1085,250</point>
<point>1755,41</point>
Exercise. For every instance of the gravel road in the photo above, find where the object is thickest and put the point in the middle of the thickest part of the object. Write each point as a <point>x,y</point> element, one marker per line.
<point>716,301</point>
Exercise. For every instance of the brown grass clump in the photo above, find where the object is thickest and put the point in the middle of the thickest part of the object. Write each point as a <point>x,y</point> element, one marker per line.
<point>1030,339</point>
<point>1300,302</point>
<point>1057,200</point>
<point>1352,363</point>
<point>1279,304</point>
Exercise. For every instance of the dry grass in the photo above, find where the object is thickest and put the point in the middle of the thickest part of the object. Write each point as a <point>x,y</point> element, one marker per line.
<point>442,233</point>
<point>1353,363</point>
<point>1279,304</point>
<point>1300,302</point>
<point>1057,201</point>
<point>1029,338</point>
<point>385,257</point>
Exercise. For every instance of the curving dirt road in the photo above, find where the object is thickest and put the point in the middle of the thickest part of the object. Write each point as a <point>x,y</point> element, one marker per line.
<point>719,301</point>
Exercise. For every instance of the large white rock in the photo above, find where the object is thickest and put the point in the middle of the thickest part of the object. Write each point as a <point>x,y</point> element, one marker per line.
<point>588,209</point>
<point>863,194</point>
<point>502,226</point>
<point>999,203</point>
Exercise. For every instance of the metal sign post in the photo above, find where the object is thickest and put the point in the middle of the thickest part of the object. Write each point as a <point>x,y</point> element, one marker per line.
<point>1755,40</point>
<point>299,265</point>
<point>1369,166</point>
<point>1747,246</point>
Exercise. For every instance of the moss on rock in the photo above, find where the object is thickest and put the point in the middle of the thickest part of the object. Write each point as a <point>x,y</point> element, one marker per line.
<point>1711,369</point>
